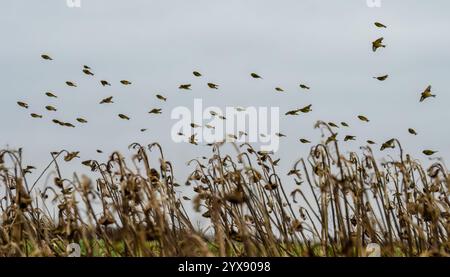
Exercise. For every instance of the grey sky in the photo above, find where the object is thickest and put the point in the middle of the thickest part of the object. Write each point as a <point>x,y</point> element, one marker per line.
<point>157,44</point>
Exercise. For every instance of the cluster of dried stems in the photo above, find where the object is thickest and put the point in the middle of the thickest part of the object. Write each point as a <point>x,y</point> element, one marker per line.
<point>339,204</point>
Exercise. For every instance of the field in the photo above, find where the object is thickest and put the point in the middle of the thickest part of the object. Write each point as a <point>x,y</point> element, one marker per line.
<point>341,204</point>
<point>224,129</point>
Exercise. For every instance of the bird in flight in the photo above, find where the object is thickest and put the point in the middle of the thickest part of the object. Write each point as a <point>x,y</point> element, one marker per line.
<point>22,104</point>
<point>377,44</point>
<point>87,72</point>
<point>347,138</point>
<point>412,131</point>
<point>380,25</point>
<point>107,100</point>
<point>381,78</point>
<point>426,94</point>
<point>429,152</point>
<point>160,97</point>
<point>255,76</point>
<point>50,108</point>
<point>155,111</point>
<point>185,86</point>
<point>363,118</point>
<point>71,84</point>
<point>125,82</point>
<point>388,144</point>
<point>213,86</point>
<point>51,95</point>
<point>46,57</point>
<point>304,86</point>
<point>122,116</point>
<point>302,140</point>
<point>105,83</point>
<point>81,120</point>
<point>72,155</point>
<point>197,74</point>
<point>34,115</point>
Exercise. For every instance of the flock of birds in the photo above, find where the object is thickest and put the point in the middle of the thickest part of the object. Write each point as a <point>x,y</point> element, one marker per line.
<point>378,43</point>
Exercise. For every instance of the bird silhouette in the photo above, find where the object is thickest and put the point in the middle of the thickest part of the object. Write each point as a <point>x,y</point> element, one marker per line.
<point>377,44</point>
<point>380,25</point>
<point>185,86</point>
<point>125,82</point>
<point>107,100</point>
<point>426,94</point>
<point>213,86</point>
<point>51,95</point>
<point>46,57</point>
<point>256,76</point>
<point>71,84</point>
<point>381,78</point>
<point>105,83</point>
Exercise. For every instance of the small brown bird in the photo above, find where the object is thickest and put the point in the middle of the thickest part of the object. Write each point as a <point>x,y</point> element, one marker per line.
<point>197,74</point>
<point>99,151</point>
<point>304,86</point>
<point>46,57</point>
<point>331,138</point>
<point>51,95</point>
<point>87,163</point>
<point>256,76</point>
<point>125,82</point>
<point>381,78</point>
<point>71,84</point>
<point>388,144</point>
<point>122,116</point>
<point>280,135</point>
<point>426,94</point>
<point>155,111</point>
<point>67,124</point>
<point>412,131</point>
<point>363,118</point>
<point>370,142</point>
<point>279,89</point>
<point>86,67</point>
<point>107,100</point>
<point>306,109</point>
<point>88,72</point>
<point>81,120</point>
<point>22,104</point>
<point>34,115</point>
<point>377,44</point>
<point>344,124</point>
<point>50,108</point>
<point>302,140</point>
<point>105,83</point>
<point>71,155</point>
<point>347,138</point>
<point>213,86</point>
<point>293,112</point>
<point>185,86</point>
<point>28,169</point>
<point>332,124</point>
<point>429,152</point>
<point>192,139</point>
<point>160,97</point>
<point>56,121</point>
<point>143,130</point>
<point>380,25</point>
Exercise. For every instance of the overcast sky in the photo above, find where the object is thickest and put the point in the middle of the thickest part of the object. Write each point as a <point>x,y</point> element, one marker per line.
<point>157,44</point>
